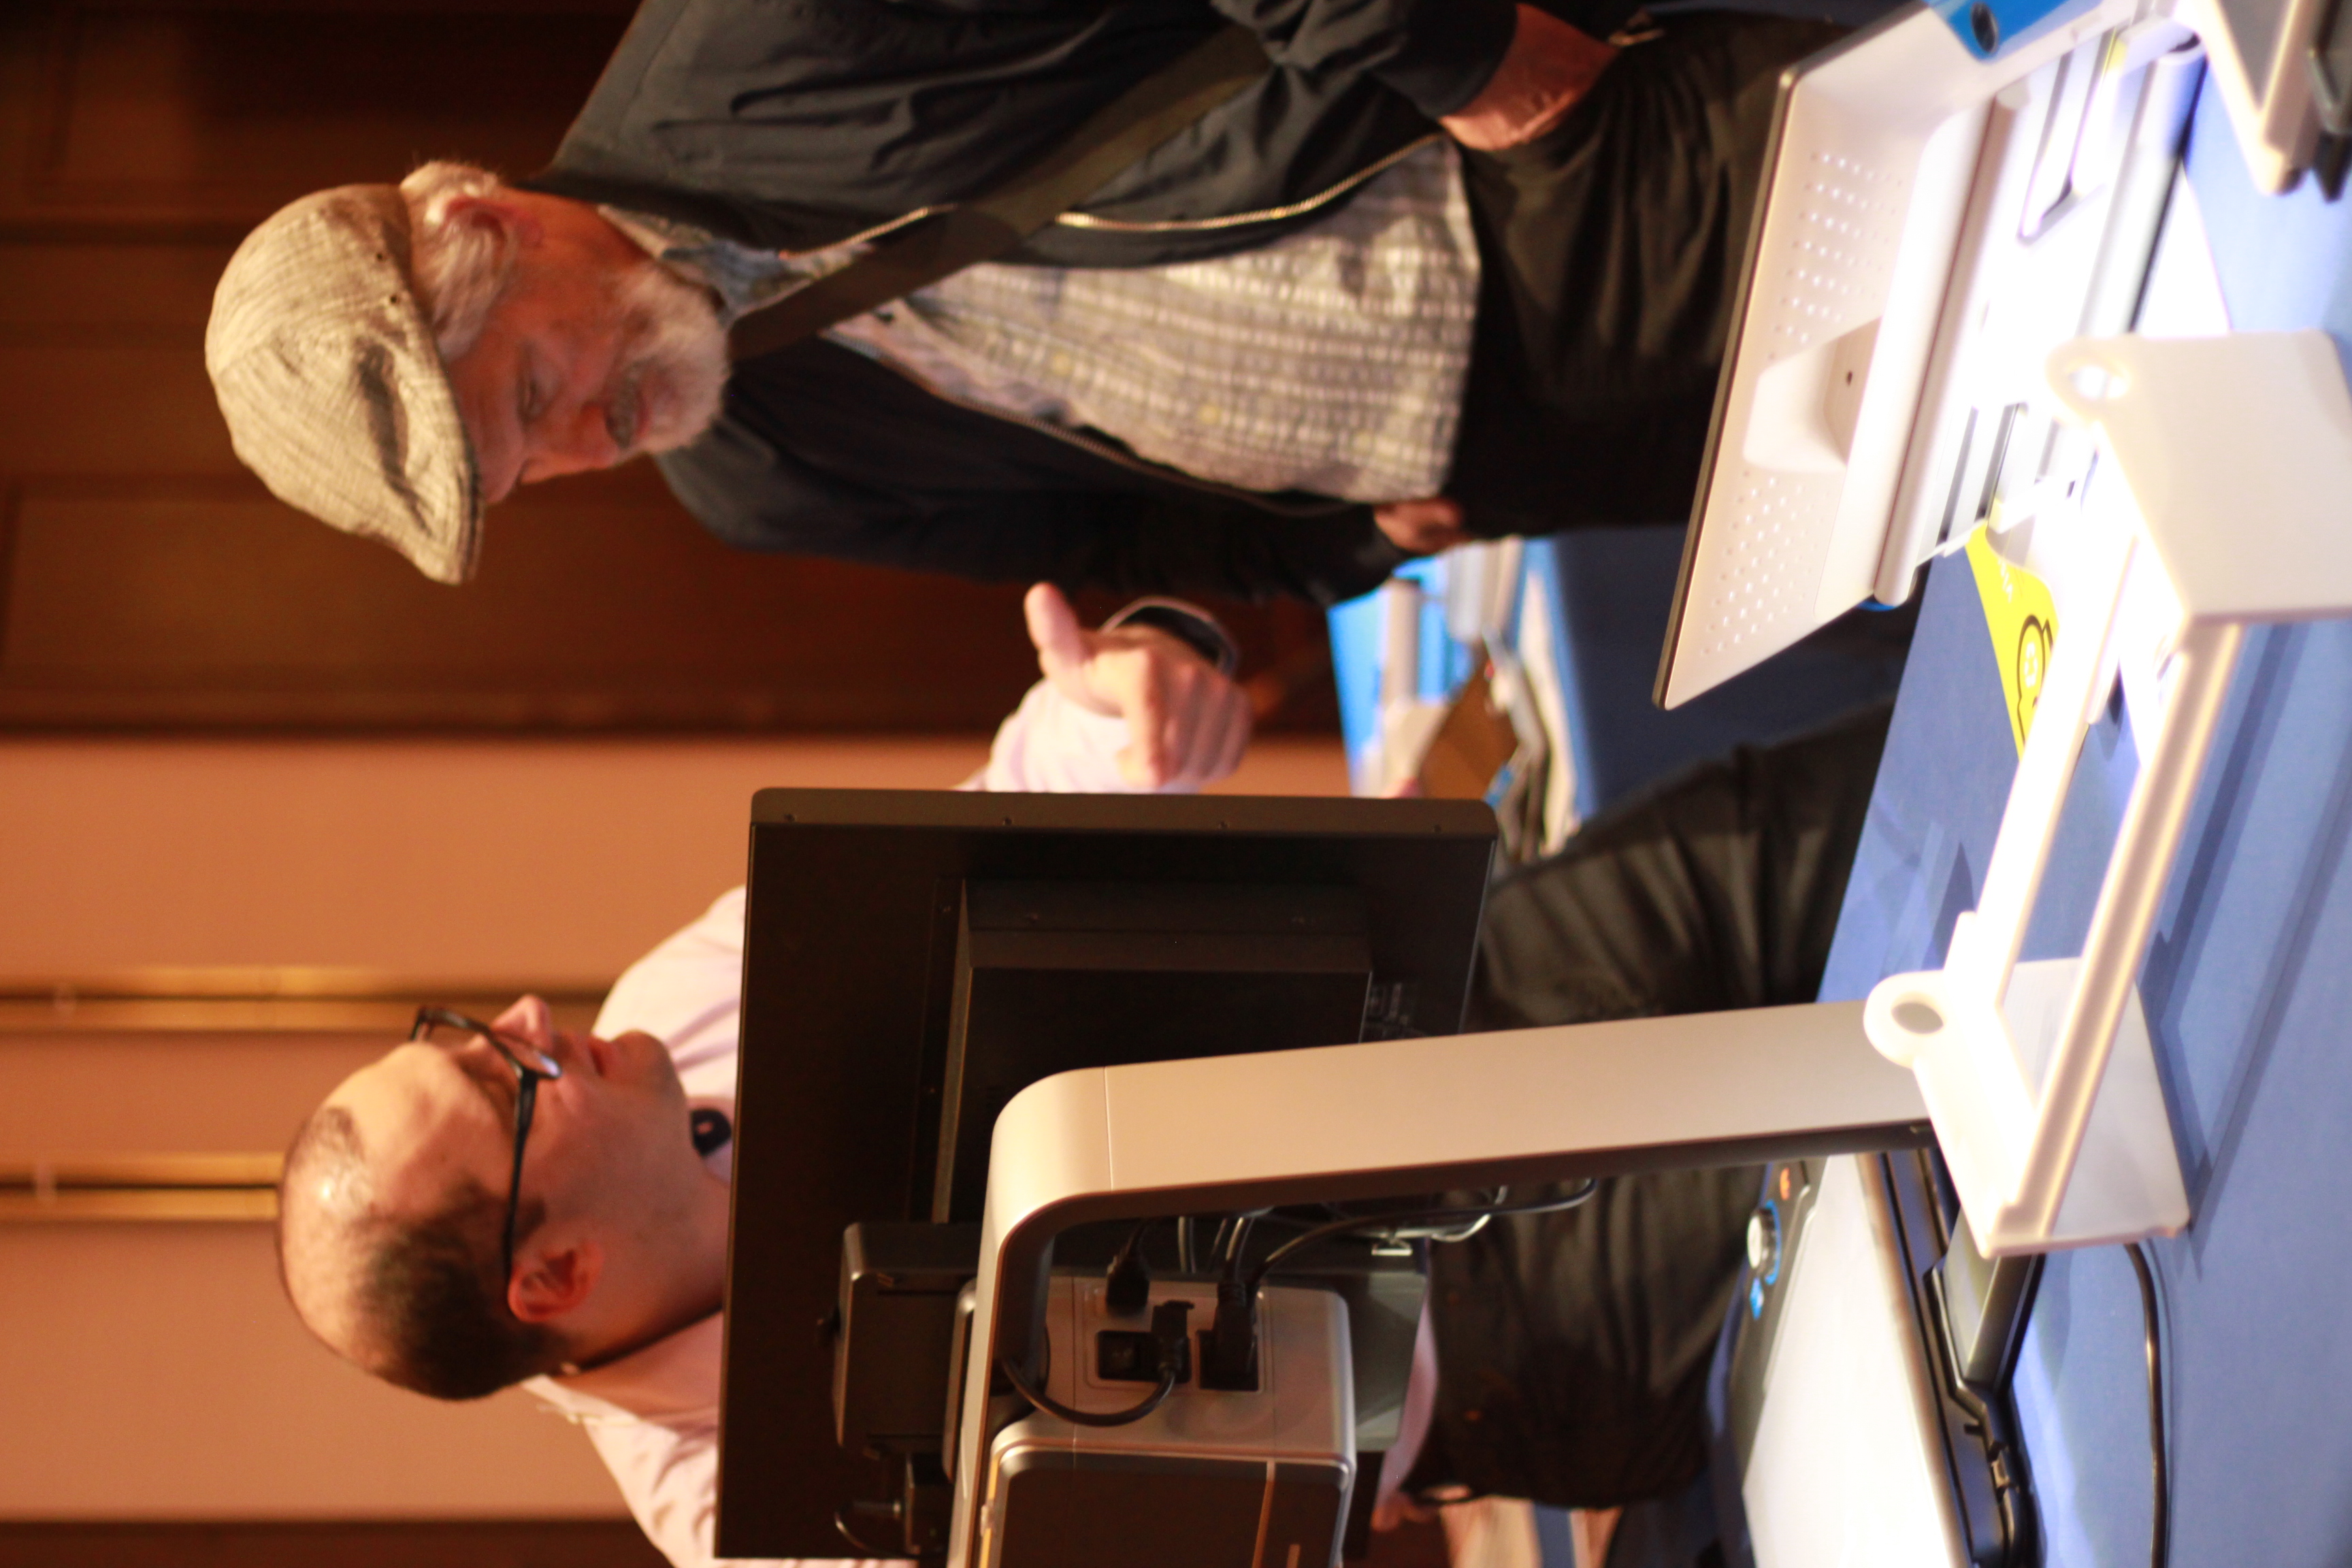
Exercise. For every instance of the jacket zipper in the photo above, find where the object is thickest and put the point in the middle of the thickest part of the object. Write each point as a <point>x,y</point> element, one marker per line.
<point>876,232</point>
<point>1263,215</point>
<point>1164,226</point>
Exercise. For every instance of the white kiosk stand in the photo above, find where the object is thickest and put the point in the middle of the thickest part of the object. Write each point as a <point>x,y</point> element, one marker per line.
<point>1391,1118</point>
<point>2235,461</point>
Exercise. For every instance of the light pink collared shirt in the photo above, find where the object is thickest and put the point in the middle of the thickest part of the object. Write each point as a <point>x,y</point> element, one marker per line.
<point>653,1414</point>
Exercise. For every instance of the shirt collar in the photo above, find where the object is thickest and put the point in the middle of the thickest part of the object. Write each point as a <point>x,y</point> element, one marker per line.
<point>671,1381</point>
<point>743,276</point>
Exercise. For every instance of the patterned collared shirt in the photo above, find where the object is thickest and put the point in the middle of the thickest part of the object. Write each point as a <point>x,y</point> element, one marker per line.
<point>1331,361</point>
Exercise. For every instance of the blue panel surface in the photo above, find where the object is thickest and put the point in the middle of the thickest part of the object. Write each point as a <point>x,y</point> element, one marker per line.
<point>2282,259</point>
<point>1608,593</point>
<point>1611,592</point>
<point>1992,28</point>
<point>1355,633</point>
<point>2247,988</point>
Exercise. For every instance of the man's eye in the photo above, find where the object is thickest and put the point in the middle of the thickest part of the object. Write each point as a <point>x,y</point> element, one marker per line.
<point>531,390</point>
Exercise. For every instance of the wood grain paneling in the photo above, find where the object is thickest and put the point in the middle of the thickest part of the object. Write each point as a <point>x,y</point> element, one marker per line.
<point>213,113</point>
<point>172,1383</point>
<point>100,407</point>
<point>213,604</point>
<point>110,291</point>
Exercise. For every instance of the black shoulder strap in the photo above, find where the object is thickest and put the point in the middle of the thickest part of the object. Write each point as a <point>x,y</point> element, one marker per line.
<point>922,253</point>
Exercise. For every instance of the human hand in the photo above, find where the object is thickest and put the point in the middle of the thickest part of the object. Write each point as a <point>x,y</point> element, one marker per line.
<point>1187,725</point>
<point>1548,69</point>
<point>1422,527</point>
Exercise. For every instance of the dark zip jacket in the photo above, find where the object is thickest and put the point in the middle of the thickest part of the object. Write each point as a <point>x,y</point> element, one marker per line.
<point>794,125</point>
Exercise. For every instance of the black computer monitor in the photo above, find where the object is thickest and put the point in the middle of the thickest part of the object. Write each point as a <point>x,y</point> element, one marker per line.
<point>913,958</point>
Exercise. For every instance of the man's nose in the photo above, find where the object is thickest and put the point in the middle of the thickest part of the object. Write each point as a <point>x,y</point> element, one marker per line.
<point>530,1020</point>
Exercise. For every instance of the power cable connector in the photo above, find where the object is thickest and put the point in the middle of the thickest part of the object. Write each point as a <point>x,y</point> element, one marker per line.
<point>1170,1333</point>
<point>1229,1347</point>
<point>1127,1286</point>
<point>1229,1350</point>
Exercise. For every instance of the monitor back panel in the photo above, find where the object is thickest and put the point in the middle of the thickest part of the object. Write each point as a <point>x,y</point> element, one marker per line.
<point>851,940</point>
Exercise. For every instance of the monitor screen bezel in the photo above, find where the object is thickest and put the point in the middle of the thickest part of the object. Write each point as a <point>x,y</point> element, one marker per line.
<point>849,948</point>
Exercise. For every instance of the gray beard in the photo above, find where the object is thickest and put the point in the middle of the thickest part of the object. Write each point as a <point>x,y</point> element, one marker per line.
<point>675,355</point>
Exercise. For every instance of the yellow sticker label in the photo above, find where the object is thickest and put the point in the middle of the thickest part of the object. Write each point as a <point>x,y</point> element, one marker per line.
<point>2023,623</point>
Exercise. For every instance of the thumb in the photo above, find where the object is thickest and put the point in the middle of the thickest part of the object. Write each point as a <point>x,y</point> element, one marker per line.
<point>1054,628</point>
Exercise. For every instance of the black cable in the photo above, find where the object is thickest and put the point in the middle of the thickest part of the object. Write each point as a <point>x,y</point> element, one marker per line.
<point>1582,1193</point>
<point>1127,1283</point>
<point>2160,1523</point>
<point>1230,1346</point>
<point>1127,1249</point>
<point>841,1523</point>
<point>1051,1406</point>
<point>1237,1243</point>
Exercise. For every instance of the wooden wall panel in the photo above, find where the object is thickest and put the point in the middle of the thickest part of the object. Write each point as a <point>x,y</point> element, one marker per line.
<point>172,1382</point>
<point>109,292</point>
<point>100,408</point>
<point>148,583</point>
<point>213,113</point>
<point>131,1093</point>
<point>203,603</point>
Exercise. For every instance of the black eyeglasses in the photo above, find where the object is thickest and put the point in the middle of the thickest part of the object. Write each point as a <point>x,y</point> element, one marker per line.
<point>450,1030</point>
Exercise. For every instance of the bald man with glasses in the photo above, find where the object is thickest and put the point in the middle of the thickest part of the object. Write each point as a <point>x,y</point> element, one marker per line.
<point>511,1127</point>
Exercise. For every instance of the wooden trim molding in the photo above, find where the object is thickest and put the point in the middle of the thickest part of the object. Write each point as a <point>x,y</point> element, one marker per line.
<point>251,1205</point>
<point>288,1000</point>
<point>140,1188</point>
<point>346,1543</point>
<point>291,1002</point>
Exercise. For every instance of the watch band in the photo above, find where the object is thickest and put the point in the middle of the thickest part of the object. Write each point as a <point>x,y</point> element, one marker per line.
<point>1189,624</point>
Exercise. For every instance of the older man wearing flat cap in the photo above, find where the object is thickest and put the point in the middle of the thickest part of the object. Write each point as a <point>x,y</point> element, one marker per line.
<point>1420,267</point>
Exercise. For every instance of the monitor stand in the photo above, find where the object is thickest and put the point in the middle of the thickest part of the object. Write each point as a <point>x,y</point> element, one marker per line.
<point>1399,1117</point>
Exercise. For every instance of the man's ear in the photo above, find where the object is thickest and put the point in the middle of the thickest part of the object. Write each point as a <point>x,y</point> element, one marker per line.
<point>510,218</point>
<point>549,1285</point>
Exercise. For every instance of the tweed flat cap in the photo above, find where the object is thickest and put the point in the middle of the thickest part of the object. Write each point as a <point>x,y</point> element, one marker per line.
<point>323,362</point>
